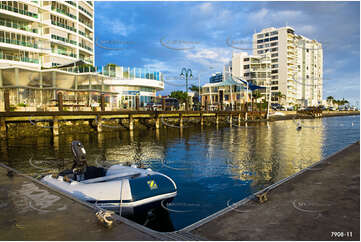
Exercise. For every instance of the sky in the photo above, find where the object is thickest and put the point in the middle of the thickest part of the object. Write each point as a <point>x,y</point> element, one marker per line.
<point>167,36</point>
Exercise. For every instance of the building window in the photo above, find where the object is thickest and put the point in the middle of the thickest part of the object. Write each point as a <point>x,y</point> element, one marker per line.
<point>266,40</point>
<point>238,96</point>
<point>246,67</point>
<point>260,36</point>
<point>274,83</point>
<point>274,66</point>
<point>260,52</point>
<point>274,55</point>
<point>260,46</point>
<point>246,59</point>
<point>266,45</point>
<point>266,34</point>
<point>274,32</point>
<point>226,97</point>
<point>274,44</point>
<point>274,60</point>
<point>274,38</point>
<point>274,49</point>
<point>274,77</point>
<point>259,41</point>
<point>274,71</point>
<point>274,88</point>
<point>246,74</point>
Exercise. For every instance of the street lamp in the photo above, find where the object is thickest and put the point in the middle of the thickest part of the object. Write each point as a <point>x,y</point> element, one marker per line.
<point>187,73</point>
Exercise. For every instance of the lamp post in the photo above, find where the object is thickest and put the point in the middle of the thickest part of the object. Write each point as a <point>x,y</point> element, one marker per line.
<point>187,73</point>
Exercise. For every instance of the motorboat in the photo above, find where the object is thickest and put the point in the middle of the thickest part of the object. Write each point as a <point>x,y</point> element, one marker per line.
<point>128,190</point>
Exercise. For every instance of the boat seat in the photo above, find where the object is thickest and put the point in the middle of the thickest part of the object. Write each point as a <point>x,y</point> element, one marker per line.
<point>94,172</point>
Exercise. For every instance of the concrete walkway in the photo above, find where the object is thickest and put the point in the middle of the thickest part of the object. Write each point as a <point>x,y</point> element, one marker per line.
<point>310,206</point>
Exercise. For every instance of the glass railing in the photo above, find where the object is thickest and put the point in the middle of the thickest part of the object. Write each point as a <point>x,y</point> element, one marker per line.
<point>85,11</point>
<point>63,25</point>
<point>53,36</point>
<point>16,10</point>
<point>85,47</point>
<point>63,12</point>
<point>62,52</point>
<point>88,36</point>
<point>87,59</point>
<point>16,25</point>
<point>132,73</point>
<point>18,58</point>
<point>86,23</point>
<point>18,42</point>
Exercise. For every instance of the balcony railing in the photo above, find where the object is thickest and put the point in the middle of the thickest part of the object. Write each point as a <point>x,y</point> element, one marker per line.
<point>18,42</point>
<point>16,10</point>
<point>18,58</point>
<point>82,33</point>
<point>63,25</point>
<point>87,24</point>
<point>16,25</point>
<point>71,3</point>
<point>62,52</point>
<point>86,59</point>
<point>85,47</point>
<point>63,12</point>
<point>53,36</point>
<point>85,11</point>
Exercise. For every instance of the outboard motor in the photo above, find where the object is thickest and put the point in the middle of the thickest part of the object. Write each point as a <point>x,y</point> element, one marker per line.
<point>80,164</point>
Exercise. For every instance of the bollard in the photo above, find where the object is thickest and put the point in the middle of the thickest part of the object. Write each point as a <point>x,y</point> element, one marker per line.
<point>202,119</point>
<point>180,120</point>
<point>60,101</point>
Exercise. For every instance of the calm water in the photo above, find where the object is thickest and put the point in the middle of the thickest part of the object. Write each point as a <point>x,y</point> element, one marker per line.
<point>211,167</point>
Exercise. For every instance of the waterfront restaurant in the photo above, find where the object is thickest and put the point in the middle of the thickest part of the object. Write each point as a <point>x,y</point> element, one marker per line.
<point>228,93</point>
<point>37,89</point>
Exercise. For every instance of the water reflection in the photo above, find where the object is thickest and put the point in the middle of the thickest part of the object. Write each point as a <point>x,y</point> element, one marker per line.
<point>210,166</point>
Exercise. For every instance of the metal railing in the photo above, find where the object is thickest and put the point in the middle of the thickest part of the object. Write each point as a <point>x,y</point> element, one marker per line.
<point>18,58</point>
<point>63,12</point>
<point>85,11</point>
<point>53,36</point>
<point>16,10</point>
<point>82,33</point>
<point>18,42</point>
<point>87,24</point>
<point>16,25</point>
<point>85,47</point>
<point>63,25</point>
<point>63,52</point>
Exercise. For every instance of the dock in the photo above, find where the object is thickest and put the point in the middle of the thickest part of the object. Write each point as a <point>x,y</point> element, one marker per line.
<point>321,202</point>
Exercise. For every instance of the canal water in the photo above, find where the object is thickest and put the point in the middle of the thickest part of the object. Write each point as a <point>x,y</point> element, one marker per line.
<point>212,167</point>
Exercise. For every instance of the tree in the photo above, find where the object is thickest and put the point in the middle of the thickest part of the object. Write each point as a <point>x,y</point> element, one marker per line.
<point>280,96</point>
<point>179,95</point>
<point>194,88</point>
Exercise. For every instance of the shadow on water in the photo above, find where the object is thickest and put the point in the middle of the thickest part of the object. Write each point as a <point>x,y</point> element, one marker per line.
<point>213,167</point>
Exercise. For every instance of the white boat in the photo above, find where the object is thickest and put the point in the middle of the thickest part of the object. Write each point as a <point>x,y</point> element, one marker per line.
<point>124,189</point>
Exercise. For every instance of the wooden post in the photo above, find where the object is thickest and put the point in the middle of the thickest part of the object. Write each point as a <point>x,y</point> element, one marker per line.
<point>6,100</point>
<point>55,127</point>
<point>131,122</point>
<point>239,119</point>
<point>157,122</point>
<point>202,119</point>
<point>60,101</point>
<point>163,104</point>
<point>180,120</point>
<point>3,128</point>
<point>230,119</point>
<point>102,102</point>
<point>217,119</point>
<point>99,124</point>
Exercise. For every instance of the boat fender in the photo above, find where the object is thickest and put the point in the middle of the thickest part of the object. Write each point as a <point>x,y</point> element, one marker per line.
<point>105,217</point>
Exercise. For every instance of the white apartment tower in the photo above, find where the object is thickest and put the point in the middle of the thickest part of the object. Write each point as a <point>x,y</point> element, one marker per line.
<point>296,65</point>
<point>35,34</point>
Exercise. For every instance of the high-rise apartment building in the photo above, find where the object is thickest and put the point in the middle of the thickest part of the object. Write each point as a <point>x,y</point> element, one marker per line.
<point>37,34</point>
<point>296,65</point>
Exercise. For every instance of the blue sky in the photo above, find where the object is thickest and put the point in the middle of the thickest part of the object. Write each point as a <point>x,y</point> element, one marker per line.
<point>166,36</point>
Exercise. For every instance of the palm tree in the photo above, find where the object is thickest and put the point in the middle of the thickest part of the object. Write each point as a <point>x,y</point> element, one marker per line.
<point>280,96</point>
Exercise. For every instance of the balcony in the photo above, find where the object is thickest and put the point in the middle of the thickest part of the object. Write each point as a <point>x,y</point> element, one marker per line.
<point>20,11</point>
<point>18,58</point>
<point>58,10</point>
<point>85,11</point>
<point>62,52</point>
<point>63,25</point>
<point>86,59</point>
<point>86,47</point>
<point>87,24</point>
<point>15,25</point>
<point>73,42</point>
<point>71,3</point>
<point>17,42</point>
<point>83,34</point>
